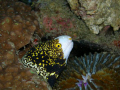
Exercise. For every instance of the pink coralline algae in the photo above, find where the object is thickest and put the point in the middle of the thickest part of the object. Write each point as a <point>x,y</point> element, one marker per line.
<point>53,24</point>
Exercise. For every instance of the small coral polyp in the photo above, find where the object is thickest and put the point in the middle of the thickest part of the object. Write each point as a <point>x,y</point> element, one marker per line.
<point>84,82</point>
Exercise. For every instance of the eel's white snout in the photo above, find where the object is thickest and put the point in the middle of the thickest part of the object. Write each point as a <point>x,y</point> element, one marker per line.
<point>67,45</point>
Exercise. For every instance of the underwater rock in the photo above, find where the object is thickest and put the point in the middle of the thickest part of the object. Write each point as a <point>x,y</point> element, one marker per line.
<point>17,25</point>
<point>74,4</point>
<point>56,19</point>
<point>97,14</point>
<point>91,72</point>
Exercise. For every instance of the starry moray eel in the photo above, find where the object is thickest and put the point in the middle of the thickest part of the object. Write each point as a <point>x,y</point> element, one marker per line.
<point>49,58</point>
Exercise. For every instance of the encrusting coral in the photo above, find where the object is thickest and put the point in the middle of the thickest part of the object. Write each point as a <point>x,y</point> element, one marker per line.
<point>97,14</point>
<point>91,72</point>
<point>17,25</point>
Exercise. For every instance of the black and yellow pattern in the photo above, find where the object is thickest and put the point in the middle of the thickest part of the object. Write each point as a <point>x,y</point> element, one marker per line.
<point>47,59</point>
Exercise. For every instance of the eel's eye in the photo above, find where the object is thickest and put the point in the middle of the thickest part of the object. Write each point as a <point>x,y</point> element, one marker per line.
<point>58,45</point>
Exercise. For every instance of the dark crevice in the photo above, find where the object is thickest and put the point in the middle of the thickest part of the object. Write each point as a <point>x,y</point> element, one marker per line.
<point>85,47</point>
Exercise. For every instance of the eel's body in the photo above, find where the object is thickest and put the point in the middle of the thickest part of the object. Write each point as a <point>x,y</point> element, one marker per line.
<point>49,58</point>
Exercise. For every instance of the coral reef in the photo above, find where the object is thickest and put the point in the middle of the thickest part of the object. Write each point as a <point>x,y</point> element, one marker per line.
<point>97,14</point>
<point>24,26</point>
<point>91,72</point>
<point>17,25</point>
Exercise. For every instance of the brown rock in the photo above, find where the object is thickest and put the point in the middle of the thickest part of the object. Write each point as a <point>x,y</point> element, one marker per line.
<point>18,77</point>
<point>9,55</point>
<point>0,68</point>
<point>8,62</point>
<point>8,84</point>
<point>23,74</point>
<point>8,77</point>
<point>18,18</point>
<point>32,28</point>
<point>6,47</point>
<point>1,86</point>
<point>11,69</point>
<point>17,28</point>
<point>2,77</point>
<point>6,24</point>
<point>17,83</point>
<point>14,74</point>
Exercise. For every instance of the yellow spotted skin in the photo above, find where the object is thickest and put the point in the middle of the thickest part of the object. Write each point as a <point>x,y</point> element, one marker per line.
<point>47,59</point>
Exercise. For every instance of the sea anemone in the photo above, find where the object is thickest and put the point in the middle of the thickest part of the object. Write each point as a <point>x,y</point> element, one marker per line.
<point>91,72</point>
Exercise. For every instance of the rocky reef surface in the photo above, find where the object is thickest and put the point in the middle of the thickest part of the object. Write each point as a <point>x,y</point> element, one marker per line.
<point>97,14</point>
<point>56,19</point>
<point>17,26</point>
